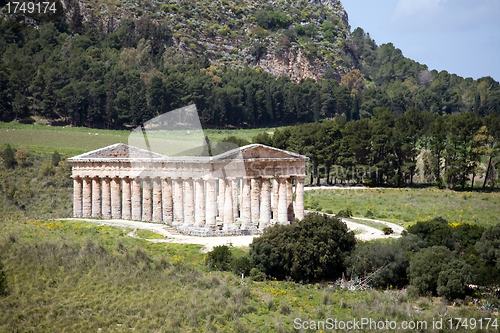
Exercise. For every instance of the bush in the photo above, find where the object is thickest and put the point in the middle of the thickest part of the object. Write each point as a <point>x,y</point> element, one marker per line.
<point>257,275</point>
<point>314,248</point>
<point>219,258</point>
<point>23,157</point>
<point>47,169</point>
<point>437,232</point>
<point>3,280</point>
<point>241,265</point>
<point>437,270</point>
<point>387,230</point>
<point>345,213</point>
<point>389,259</point>
<point>488,246</point>
<point>8,157</point>
<point>56,158</point>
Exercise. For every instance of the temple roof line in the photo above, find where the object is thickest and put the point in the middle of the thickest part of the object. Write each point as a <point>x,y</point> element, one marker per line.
<point>121,152</point>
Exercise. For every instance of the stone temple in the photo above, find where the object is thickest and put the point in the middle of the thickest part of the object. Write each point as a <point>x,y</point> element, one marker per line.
<point>241,191</point>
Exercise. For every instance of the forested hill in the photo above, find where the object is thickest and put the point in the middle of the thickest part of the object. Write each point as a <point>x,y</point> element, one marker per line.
<point>243,63</point>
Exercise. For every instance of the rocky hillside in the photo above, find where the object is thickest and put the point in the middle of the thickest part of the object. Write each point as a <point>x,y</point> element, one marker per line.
<point>298,39</point>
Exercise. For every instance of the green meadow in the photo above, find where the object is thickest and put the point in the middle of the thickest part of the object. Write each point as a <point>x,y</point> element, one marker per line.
<point>78,140</point>
<point>409,205</point>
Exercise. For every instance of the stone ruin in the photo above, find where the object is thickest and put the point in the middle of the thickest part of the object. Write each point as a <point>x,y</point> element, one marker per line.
<point>239,192</point>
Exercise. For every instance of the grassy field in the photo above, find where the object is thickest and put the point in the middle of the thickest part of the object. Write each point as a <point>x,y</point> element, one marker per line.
<point>67,276</point>
<point>77,140</point>
<point>408,205</point>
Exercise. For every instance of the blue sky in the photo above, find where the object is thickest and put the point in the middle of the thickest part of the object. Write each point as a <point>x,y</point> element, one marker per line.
<point>459,36</point>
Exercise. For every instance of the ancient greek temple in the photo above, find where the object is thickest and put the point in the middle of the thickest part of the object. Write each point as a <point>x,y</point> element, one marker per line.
<point>241,191</point>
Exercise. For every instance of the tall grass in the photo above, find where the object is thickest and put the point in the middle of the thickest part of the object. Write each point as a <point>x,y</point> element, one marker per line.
<point>66,276</point>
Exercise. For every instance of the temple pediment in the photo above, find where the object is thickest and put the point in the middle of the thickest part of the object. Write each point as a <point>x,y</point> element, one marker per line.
<point>118,151</point>
<point>258,151</point>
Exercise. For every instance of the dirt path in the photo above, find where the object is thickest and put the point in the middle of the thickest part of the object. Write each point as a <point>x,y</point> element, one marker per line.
<point>363,232</point>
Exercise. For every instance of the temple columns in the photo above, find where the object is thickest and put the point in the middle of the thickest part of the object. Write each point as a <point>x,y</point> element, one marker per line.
<point>265,202</point>
<point>178,202</point>
<point>276,187</point>
<point>116,204</point>
<point>96,197</point>
<point>157,189</point>
<point>77,197</point>
<point>126,199</point>
<point>299,198</point>
<point>228,206</point>
<point>87,197</point>
<point>289,198</point>
<point>282,204</point>
<point>211,205</point>
<point>199,213</point>
<point>146,200</point>
<point>222,189</point>
<point>188,203</point>
<point>167,203</point>
<point>234,188</point>
<point>246,204</point>
<point>255,192</point>
<point>106,198</point>
<point>136,199</point>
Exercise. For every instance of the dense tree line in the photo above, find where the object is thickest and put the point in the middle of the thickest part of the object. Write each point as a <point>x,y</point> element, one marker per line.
<point>385,149</point>
<point>87,75</point>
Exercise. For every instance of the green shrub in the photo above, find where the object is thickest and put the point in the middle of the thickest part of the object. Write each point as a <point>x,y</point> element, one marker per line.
<point>3,280</point>
<point>437,232</point>
<point>23,157</point>
<point>8,157</point>
<point>256,274</point>
<point>345,213</point>
<point>241,265</point>
<point>56,158</point>
<point>311,249</point>
<point>47,169</point>
<point>488,246</point>
<point>220,258</point>
<point>388,260</point>
<point>387,230</point>
<point>437,270</point>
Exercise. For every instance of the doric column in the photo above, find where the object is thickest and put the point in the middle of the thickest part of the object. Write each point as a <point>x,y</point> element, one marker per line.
<point>289,198</point>
<point>246,204</point>
<point>116,203</point>
<point>178,207</point>
<point>299,198</point>
<point>228,206</point>
<point>265,202</point>
<point>136,199</point>
<point>157,199</point>
<point>234,188</point>
<point>96,197</point>
<point>77,196</point>
<point>87,197</point>
<point>221,197</point>
<point>276,187</point>
<point>211,203</point>
<point>199,213</point>
<point>255,193</point>
<point>106,198</point>
<point>282,205</point>
<point>188,203</point>
<point>146,200</point>
<point>167,203</point>
<point>126,199</point>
